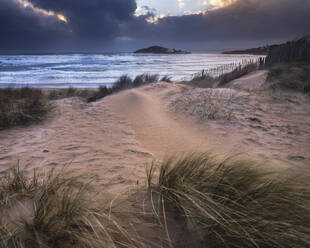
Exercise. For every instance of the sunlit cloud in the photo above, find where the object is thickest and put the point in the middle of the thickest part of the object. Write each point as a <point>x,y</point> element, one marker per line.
<point>155,19</point>
<point>181,4</point>
<point>198,12</point>
<point>62,18</point>
<point>144,10</point>
<point>139,11</point>
<point>150,14</point>
<point>205,3</point>
<point>179,7</point>
<point>220,3</point>
<point>27,4</point>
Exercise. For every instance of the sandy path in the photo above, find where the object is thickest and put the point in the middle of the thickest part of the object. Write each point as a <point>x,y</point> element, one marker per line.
<point>113,139</point>
<point>252,81</point>
<point>88,139</point>
<point>263,127</point>
<point>160,131</point>
<point>155,129</point>
<point>116,138</point>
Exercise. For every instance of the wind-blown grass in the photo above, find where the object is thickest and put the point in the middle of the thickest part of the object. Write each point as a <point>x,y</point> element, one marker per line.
<point>231,203</point>
<point>206,104</point>
<point>235,203</point>
<point>237,73</point>
<point>55,210</point>
<point>204,80</point>
<point>294,76</point>
<point>166,79</point>
<point>69,92</point>
<point>124,83</point>
<point>144,79</point>
<point>22,106</point>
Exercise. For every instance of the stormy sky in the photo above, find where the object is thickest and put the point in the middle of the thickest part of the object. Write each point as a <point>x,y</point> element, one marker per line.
<point>124,25</point>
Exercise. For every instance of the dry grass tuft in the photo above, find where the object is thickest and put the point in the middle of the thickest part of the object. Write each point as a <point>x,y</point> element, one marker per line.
<point>205,80</point>
<point>56,210</point>
<point>166,79</point>
<point>290,76</point>
<point>237,73</point>
<point>124,83</point>
<point>102,92</point>
<point>207,104</point>
<point>145,79</point>
<point>22,106</point>
<point>70,92</point>
<point>236,203</point>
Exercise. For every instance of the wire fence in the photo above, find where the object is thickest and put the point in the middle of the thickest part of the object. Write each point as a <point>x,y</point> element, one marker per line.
<point>222,69</point>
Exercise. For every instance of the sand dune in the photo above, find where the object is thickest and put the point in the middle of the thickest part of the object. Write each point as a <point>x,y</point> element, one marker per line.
<point>116,138</point>
<point>155,128</point>
<point>112,140</point>
<point>88,139</point>
<point>254,80</point>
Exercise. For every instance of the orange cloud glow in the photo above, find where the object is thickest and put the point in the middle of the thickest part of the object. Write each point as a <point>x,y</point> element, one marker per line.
<point>62,18</point>
<point>27,4</point>
<point>222,3</point>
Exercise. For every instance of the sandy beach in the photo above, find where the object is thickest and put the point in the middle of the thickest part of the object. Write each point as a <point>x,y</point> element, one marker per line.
<point>114,139</point>
<point>154,124</point>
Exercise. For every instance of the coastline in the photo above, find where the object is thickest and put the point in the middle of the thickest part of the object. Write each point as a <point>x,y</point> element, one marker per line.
<point>134,105</point>
<point>58,71</point>
<point>115,141</point>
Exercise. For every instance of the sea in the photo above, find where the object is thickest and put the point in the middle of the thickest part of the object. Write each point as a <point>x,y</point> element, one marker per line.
<point>94,70</point>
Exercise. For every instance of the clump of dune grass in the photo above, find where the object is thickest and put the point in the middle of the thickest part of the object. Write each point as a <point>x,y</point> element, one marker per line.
<point>55,210</point>
<point>145,79</point>
<point>203,80</point>
<point>239,72</point>
<point>149,78</point>
<point>69,92</point>
<point>102,92</point>
<point>237,203</point>
<point>166,79</point>
<point>206,104</point>
<point>22,106</point>
<point>205,110</point>
<point>293,76</point>
<point>124,83</point>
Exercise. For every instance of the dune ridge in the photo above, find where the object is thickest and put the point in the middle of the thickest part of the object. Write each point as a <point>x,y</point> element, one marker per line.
<point>114,139</point>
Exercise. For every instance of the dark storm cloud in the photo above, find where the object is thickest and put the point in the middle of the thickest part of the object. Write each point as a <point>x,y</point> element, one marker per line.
<point>100,24</point>
<point>92,18</point>
<point>90,23</point>
<point>246,20</point>
<point>25,28</point>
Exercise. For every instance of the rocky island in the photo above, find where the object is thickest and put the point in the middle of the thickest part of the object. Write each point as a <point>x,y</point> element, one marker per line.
<point>161,50</point>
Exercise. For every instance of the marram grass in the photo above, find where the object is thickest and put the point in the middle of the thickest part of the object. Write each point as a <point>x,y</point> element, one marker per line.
<point>237,203</point>
<point>56,210</point>
<point>22,106</point>
<point>231,203</point>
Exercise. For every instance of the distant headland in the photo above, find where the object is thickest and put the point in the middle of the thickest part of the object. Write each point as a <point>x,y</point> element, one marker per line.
<point>254,51</point>
<point>161,50</point>
<point>293,50</point>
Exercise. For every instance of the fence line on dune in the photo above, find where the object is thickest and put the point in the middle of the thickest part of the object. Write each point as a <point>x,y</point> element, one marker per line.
<point>222,69</point>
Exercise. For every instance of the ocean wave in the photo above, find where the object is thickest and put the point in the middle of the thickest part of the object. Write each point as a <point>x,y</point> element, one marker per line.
<point>93,70</point>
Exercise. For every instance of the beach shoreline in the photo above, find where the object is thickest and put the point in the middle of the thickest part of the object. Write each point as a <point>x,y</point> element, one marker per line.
<point>116,140</point>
